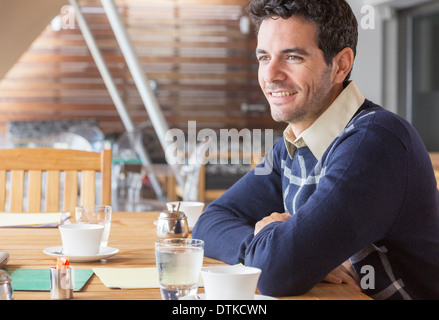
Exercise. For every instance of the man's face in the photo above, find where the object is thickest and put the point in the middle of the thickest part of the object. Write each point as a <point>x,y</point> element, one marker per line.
<point>293,73</point>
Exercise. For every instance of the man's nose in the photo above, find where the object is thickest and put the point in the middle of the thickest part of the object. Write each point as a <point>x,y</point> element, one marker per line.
<point>274,72</point>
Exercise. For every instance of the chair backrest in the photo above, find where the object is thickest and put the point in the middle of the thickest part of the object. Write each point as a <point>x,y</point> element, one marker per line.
<point>23,171</point>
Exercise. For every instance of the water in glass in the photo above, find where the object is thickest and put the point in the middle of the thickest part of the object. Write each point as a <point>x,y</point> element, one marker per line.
<point>179,270</point>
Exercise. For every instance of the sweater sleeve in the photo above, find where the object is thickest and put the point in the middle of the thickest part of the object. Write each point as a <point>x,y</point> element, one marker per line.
<point>227,224</point>
<point>355,203</point>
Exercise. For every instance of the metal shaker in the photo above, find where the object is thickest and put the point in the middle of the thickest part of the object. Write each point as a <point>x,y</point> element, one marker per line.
<point>61,284</point>
<point>6,291</point>
<point>172,224</point>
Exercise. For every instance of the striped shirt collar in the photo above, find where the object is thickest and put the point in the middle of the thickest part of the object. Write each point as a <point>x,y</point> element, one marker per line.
<point>329,125</point>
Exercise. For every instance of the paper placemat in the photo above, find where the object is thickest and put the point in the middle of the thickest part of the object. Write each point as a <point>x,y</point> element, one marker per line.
<point>32,219</point>
<point>129,278</point>
<point>39,279</point>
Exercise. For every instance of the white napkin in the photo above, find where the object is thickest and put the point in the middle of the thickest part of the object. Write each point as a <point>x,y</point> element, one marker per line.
<point>33,220</point>
<point>126,278</point>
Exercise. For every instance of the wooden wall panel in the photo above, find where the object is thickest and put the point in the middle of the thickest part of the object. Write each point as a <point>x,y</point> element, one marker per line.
<point>204,65</point>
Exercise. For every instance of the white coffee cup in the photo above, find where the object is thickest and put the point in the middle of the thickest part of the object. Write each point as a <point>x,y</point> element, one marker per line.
<point>81,239</point>
<point>192,210</point>
<point>230,282</point>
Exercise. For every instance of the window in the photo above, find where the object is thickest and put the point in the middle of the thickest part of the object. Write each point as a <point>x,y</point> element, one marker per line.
<point>419,69</point>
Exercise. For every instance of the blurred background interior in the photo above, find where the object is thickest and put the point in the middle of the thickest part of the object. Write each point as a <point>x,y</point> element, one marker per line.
<point>197,63</point>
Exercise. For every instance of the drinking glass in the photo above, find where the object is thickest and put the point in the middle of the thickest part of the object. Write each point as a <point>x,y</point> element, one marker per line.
<point>179,263</point>
<point>98,214</point>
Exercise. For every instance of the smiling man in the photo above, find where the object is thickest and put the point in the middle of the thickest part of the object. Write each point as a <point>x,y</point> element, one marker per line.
<point>351,184</point>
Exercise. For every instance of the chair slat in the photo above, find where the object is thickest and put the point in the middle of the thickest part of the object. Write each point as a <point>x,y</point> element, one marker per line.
<point>106,177</point>
<point>17,190</point>
<point>70,192</point>
<point>34,183</point>
<point>49,159</point>
<point>3,190</point>
<point>52,191</point>
<point>88,188</point>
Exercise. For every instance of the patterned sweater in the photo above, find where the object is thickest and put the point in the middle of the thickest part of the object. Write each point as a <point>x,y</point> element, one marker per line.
<point>371,198</point>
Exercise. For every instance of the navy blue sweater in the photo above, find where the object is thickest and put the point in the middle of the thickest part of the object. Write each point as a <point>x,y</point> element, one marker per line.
<point>372,198</point>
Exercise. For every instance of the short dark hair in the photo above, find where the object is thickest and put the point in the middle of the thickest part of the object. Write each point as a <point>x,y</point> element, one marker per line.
<point>337,27</point>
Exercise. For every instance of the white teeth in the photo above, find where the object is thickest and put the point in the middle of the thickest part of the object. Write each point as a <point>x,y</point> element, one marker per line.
<point>281,94</point>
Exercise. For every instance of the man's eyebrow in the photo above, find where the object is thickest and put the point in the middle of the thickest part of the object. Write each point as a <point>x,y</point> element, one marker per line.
<point>297,50</point>
<point>300,51</point>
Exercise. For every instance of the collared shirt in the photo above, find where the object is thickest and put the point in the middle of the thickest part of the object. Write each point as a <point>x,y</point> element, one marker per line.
<point>328,126</point>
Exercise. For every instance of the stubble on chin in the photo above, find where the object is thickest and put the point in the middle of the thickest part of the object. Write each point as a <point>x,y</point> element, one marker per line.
<point>288,114</point>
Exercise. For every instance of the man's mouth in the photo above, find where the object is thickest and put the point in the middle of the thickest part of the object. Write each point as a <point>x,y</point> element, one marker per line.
<point>281,94</point>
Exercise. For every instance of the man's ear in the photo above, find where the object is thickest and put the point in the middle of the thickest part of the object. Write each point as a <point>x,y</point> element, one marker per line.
<point>342,64</point>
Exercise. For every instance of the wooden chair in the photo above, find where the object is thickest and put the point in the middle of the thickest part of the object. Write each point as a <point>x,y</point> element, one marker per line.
<point>29,168</point>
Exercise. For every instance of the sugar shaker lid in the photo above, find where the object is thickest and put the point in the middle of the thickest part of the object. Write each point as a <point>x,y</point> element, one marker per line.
<point>4,277</point>
<point>172,213</point>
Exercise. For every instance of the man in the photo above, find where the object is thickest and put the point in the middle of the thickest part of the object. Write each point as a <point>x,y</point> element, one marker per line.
<point>349,180</point>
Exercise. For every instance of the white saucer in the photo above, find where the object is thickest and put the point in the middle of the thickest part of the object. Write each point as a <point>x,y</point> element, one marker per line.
<point>202,296</point>
<point>104,253</point>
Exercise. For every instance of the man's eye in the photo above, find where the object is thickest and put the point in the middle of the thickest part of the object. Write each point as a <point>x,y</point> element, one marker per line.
<point>295,58</point>
<point>263,58</point>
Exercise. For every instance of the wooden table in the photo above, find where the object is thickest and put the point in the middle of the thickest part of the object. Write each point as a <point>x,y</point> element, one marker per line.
<point>134,235</point>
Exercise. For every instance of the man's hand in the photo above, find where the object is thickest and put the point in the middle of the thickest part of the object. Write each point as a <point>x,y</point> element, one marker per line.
<point>344,273</point>
<point>275,216</point>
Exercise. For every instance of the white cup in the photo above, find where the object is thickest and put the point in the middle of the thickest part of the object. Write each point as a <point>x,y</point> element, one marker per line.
<point>81,239</point>
<point>192,210</point>
<point>230,282</point>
